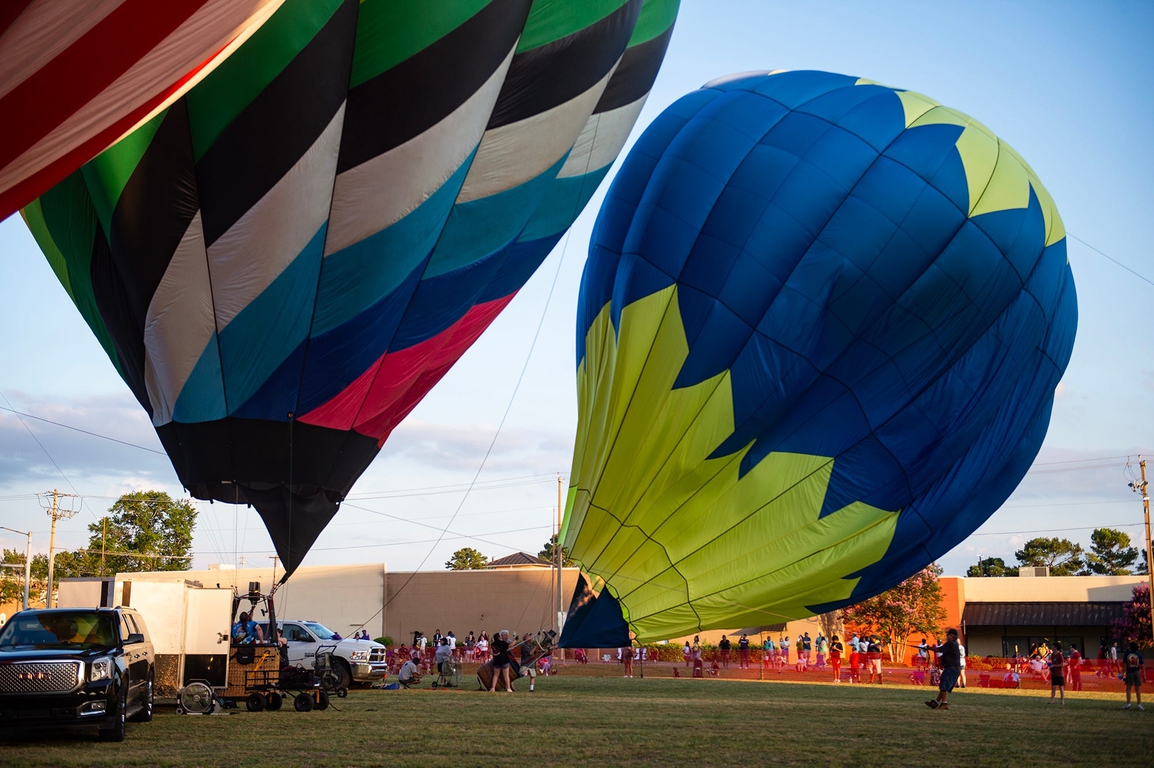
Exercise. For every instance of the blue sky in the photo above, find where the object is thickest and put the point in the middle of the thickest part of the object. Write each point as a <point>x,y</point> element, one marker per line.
<point>1066,84</point>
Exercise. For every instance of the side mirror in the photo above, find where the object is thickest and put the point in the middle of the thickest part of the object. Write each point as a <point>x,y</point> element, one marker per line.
<point>134,637</point>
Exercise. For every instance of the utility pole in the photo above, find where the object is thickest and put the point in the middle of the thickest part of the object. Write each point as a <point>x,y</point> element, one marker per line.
<point>27,562</point>
<point>1142,489</point>
<point>55,512</point>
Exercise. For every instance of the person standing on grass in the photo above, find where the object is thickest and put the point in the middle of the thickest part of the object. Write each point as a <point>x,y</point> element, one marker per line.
<point>785,649</point>
<point>1132,674</point>
<point>835,651</point>
<point>1074,665</point>
<point>951,658</point>
<point>962,676</point>
<point>854,661</point>
<point>527,649</point>
<point>874,659</point>
<point>743,651</point>
<point>502,661</point>
<point>724,647</point>
<point>627,658</point>
<point>1057,672</point>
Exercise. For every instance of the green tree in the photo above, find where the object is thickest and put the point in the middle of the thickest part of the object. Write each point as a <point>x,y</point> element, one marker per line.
<point>153,528</point>
<point>991,566</point>
<point>914,606</point>
<point>466,559</point>
<point>12,579</point>
<point>549,552</point>
<point>1064,557</point>
<point>68,565</point>
<point>1111,553</point>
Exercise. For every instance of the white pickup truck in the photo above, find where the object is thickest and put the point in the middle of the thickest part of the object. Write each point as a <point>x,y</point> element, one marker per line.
<point>360,661</point>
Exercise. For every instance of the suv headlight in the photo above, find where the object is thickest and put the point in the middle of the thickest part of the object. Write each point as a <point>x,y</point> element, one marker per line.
<point>101,669</point>
<point>359,655</point>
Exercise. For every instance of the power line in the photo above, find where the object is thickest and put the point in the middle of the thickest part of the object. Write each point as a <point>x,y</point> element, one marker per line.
<point>1057,530</point>
<point>49,455</point>
<point>1063,504</point>
<point>78,429</point>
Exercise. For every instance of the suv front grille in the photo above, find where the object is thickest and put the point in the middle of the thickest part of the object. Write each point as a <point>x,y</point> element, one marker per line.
<point>39,676</point>
<point>377,655</point>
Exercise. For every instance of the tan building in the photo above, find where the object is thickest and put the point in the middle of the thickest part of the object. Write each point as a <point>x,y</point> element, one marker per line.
<point>348,597</point>
<point>999,615</point>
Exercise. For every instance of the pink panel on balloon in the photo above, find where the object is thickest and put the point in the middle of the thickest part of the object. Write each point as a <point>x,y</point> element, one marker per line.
<point>384,394</point>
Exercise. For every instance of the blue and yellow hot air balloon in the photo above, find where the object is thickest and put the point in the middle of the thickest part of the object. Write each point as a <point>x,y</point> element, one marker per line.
<point>819,334</point>
<point>285,261</point>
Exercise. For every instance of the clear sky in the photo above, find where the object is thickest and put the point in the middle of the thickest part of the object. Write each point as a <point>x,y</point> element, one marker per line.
<point>1067,84</point>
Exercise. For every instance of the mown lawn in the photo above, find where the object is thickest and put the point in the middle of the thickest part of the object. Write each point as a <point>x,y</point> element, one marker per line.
<point>599,720</point>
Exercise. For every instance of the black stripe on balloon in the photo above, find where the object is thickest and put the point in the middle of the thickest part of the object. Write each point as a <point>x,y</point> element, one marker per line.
<point>405,101</point>
<point>552,74</point>
<point>209,455</point>
<point>248,461</point>
<point>276,129</point>
<point>634,78</point>
<point>116,311</point>
<point>151,216</point>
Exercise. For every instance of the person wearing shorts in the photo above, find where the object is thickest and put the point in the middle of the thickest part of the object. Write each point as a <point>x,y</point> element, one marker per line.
<point>502,661</point>
<point>1132,674</point>
<point>1057,672</point>
<point>951,658</point>
<point>528,664</point>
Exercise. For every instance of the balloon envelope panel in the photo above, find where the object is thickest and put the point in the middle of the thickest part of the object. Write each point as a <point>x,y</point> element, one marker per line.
<point>79,74</point>
<point>819,334</point>
<point>285,261</point>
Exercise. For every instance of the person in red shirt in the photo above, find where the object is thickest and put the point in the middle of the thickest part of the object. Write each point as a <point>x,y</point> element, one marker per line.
<point>1074,663</point>
<point>854,661</point>
<point>1057,664</point>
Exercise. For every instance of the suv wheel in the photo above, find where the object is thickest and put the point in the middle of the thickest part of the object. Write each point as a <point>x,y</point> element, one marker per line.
<point>116,731</point>
<point>145,713</point>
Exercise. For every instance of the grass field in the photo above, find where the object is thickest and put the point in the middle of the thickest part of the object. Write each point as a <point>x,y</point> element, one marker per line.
<point>600,720</point>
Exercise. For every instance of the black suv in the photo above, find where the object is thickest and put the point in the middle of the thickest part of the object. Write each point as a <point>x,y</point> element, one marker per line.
<point>80,667</point>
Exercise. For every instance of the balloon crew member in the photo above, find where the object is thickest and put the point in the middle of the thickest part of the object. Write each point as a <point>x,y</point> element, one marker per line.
<point>246,631</point>
<point>502,661</point>
<point>526,650</point>
<point>951,658</point>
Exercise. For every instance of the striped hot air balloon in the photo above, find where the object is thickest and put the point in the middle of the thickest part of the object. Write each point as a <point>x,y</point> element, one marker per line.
<point>819,333</point>
<point>76,75</point>
<point>284,262</point>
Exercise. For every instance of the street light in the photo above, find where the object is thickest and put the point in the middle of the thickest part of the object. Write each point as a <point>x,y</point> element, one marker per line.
<point>27,561</point>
